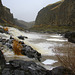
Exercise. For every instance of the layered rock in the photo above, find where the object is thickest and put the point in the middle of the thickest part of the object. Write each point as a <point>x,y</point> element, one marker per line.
<point>5,15</point>
<point>57,14</point>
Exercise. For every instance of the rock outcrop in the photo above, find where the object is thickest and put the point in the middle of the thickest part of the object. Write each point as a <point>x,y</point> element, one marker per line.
<point>70,36</point>
<point>5,15</point>
<point>57,15</point>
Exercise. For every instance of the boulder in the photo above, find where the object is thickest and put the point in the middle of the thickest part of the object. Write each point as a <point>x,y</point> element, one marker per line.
<point>30,52</point>
<point>20,67</point>
<point>22,37</point>
<point>70,36</point>
<point>11,37</point>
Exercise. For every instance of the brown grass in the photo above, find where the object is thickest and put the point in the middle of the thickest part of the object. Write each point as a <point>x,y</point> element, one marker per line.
<point>5,29</point>
<point>68,58</point>
<point>17,47</point>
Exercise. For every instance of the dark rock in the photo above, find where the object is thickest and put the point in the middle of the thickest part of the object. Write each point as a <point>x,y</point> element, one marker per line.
<point>20,67</point>
<point>62,71</point>
<point>22,37</point>
<point>21,42</point>
<point>25,37</point>
<point>67,34</point>
<point>11,37</point>
<point>48,72</point>
<point>10,41</point>
<point>2,60</point>
<point>9,45</point>
<point>30,52</point>
<point>24,45</point>
<point>70,36</point>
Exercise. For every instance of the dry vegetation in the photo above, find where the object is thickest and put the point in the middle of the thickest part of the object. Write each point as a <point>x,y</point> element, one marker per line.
<point>67,58</point>
<point>17,47</point>
<point>5,29</point>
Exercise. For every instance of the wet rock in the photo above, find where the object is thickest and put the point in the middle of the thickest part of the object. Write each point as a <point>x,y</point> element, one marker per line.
<point>4,41</point>
<point>22,37</point>
<point>70,36</point>
<point>2,60</point>
<point>7,42</point>
<point>25,37</point>
<point>9,45</point>
<point>10,41</point>
<point>21,42</point>
<point>20,67</point>
<point>11,37</point>
<point>30,52</point>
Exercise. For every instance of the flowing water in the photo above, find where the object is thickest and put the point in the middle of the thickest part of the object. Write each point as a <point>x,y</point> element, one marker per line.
<point>42,42</point>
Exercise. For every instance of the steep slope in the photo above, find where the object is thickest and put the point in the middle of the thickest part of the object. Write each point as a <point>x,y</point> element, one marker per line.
<point>5,15</point>
<point>7,19</point>
<point>24,24</point>
<point>53,16</point>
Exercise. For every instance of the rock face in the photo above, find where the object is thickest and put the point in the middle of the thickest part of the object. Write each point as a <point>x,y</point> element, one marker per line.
<point>6,18</point>
<point>5,14</point>
<point>70,36</point>
<point>57,14</point>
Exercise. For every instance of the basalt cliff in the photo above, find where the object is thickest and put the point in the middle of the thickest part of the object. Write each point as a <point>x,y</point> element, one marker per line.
<point>56,17</point>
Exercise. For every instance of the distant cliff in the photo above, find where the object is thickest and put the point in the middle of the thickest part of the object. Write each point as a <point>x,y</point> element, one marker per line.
<point>57,16</point>
<point>5,15</point>
<point>7,19</point>
<point>23,24</point>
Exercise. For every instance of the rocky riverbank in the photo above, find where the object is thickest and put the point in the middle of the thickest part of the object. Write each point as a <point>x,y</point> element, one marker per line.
<point>20,67</point>
<point>70,36</point>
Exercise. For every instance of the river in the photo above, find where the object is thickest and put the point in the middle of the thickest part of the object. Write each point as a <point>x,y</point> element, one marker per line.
<point>42,42</point>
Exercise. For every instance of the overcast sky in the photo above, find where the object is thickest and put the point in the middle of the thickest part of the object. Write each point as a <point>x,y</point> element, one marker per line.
<point>26,9</point>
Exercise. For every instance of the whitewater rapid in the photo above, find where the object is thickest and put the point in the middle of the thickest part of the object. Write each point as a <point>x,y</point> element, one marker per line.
<point>43,43</point>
